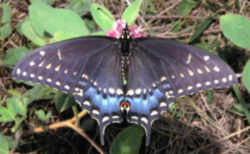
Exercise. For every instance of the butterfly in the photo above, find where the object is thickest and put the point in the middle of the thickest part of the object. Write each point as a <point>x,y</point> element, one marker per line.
<point>130,75</point>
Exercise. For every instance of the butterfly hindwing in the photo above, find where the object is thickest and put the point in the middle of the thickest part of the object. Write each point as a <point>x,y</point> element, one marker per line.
<point>88,68</point>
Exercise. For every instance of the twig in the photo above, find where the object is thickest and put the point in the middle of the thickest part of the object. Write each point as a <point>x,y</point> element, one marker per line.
<point>245,140</point>
<point>81,132</point>
<point>223,139</point>
<point>61,124</point>
<point>128,2</point>
<point>165,10</point>
<point>71,123</point>
<point>173,17</point>
<point>188,34</point>
<point>204,101</point>
<point>16,142</point>
<point>243,6</point>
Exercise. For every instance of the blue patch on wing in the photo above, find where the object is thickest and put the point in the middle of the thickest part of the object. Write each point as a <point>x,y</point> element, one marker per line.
<point>145,109</point>
<point>106,105</point>
<point>141,105</point>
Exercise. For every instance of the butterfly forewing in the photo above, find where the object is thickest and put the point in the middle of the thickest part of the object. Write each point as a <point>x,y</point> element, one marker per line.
<point>194,69</point>
<point>87,67</point>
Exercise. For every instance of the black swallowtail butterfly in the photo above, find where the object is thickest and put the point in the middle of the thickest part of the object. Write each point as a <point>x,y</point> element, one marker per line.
<point>139,76</point>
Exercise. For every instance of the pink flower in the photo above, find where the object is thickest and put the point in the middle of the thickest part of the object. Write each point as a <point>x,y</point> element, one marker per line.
<point>119,25</point>
<point>136,32</point>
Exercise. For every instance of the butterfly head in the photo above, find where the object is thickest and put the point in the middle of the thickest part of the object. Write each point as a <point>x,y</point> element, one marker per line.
<point>125,33</point>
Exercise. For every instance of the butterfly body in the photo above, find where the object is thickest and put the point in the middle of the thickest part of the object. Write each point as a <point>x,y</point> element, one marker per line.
<point>136,76</point>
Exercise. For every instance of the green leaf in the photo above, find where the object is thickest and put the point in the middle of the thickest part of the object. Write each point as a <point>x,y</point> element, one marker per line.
<point>91,25</point>
<point>49,2</point>
<point>205,46</point>
<point>5,115</point>
<point>98,33</point>
<point>237,5</point>
<point>16,105</point>
<point>236,28</point>
<point>185,7</point>
<point>212,6</point>
<point>18,122</point>
<point>14,55</point>
<point>43,116</point>
<point>172,108</point>
<point>35,10</point>
<point>39,92</point>
<point>177,26</point>
<point>31,34</point>
<point>246,76</point>
<point>45,19</point>
<point>102,17</point>
<point>81,7</point>
<point>150,7</point>
<point>239,108</point>
<point>6,13</point>
<point>128,141</point>
<point>5,144</point>
<point>63,101</point>
<point>210,97</point>
<point>242,106</point>
<point>132,12</point>
<point>201,28</point>
<point>5,28</point>
<point>14,92</point>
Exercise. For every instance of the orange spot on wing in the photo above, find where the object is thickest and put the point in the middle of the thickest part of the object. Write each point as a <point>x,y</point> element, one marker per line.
<point>125,104</point>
